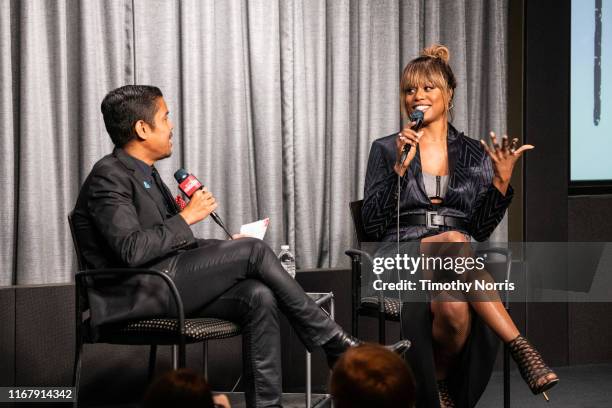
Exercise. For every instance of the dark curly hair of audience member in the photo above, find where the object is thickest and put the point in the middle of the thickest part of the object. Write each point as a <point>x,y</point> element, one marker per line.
<point>183,388</point>
<point>372,376</point>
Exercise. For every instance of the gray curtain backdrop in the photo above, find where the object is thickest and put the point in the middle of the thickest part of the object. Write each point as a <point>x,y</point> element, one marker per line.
<point>275,105</point>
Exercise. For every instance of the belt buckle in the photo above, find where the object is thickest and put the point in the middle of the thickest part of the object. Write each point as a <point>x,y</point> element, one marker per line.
<point>433,220</point>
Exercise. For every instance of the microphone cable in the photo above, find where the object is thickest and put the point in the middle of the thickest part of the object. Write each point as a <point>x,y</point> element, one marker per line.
<point>418,117</point>
<point>399,292</point>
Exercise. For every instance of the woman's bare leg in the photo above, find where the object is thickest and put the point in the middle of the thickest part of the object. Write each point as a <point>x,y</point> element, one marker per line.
<point>497,318</point>
<point>451,326</point>
<point>492,312</point>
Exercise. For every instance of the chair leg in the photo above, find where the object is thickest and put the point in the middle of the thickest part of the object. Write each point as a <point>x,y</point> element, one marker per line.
<point>152,361</point>
<point>506,376</point>
<point>175,357</point>
<point>76,373</point>
<point>506,363</point>
<point>382,338</point>
<point>181,355</point>
<point>355,293</point>
<point>205,358</point>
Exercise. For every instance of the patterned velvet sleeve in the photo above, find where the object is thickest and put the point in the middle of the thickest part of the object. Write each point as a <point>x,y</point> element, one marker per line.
<point>489,206</point>
<point>380,193</point>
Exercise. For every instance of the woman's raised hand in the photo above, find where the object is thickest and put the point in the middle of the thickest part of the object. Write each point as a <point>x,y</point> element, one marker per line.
<point>406,137</point>
<point>504,157</point>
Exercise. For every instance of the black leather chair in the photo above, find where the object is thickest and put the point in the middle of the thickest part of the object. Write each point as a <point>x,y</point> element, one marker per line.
<point>387,308</point>
<point>177,331</point>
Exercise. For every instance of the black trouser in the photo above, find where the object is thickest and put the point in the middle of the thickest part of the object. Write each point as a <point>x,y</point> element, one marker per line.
<point>243,281</point>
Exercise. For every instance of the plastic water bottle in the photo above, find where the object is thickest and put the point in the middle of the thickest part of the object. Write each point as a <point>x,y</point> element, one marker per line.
<point>287,260</point>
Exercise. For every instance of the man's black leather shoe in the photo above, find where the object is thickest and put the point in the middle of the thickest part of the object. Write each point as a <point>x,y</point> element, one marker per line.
<point>338,344</point>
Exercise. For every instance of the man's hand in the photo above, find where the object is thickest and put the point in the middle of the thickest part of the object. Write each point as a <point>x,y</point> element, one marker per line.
<point>221,400</point>
<point>410,137</point>
<point>238,236</point>
<point>200,206</point>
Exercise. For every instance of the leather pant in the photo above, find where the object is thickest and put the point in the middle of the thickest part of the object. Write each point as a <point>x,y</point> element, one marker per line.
<point>243,281</point>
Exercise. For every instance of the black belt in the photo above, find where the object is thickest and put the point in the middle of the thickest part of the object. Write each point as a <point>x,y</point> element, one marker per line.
<point>431,219</point>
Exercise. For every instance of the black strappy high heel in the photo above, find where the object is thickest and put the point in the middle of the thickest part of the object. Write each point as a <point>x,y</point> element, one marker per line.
<point>532,366</point>
<point>444,395</point>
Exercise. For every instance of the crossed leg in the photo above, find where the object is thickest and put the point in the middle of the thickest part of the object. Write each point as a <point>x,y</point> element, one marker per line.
<point>451,319</point>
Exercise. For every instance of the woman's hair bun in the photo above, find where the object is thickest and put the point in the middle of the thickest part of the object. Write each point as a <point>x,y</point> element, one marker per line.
<point>436,51</point>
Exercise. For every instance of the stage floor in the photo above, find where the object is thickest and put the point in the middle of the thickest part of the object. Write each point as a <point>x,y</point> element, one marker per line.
<point>585,386</point>
<point>293,400</point>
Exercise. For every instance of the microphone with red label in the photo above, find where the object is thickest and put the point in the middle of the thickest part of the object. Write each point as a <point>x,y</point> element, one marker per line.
<point>416,117</point>
<point>189,184</point>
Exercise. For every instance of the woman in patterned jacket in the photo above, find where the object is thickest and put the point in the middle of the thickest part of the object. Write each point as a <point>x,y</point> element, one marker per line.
<point>452,188</point>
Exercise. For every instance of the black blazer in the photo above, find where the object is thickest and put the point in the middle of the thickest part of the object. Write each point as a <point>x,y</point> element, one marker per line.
<point>470,195</point>
<point>120,223</point>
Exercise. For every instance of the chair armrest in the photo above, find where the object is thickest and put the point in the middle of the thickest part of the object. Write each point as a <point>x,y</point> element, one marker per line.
<point>357,256</point>
<point>506,252</point>
<point>127,272</point>
<point>352,252</point>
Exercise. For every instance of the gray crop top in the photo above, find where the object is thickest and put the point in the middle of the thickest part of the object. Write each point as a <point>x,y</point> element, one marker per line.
<point>435,186</point>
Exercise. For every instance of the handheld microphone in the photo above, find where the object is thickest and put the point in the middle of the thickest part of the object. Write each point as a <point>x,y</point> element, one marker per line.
<point>189,184</point>
<point>417,117</point>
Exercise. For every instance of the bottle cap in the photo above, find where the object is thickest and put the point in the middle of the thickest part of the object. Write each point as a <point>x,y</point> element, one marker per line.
<point>284,247</point>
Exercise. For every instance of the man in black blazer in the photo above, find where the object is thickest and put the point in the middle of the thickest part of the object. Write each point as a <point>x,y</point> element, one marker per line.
<point>125,217</point>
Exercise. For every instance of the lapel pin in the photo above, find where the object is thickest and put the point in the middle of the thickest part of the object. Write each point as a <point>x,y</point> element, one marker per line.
<point>147,184</point>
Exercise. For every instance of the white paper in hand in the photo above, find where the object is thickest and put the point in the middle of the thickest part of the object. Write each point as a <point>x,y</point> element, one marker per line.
<point>256,229</point>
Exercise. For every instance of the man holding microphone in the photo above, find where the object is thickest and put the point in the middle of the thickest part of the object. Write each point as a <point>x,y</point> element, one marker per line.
<point>125,217</point>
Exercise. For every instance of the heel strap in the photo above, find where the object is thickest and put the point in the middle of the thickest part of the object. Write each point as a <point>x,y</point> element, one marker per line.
<point>444,395</point>
<point>530,363</point>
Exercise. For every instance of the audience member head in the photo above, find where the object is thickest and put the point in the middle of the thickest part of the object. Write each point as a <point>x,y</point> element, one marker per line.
<point>372,376</point>
<point>181,388</point>
<point>123,107</point>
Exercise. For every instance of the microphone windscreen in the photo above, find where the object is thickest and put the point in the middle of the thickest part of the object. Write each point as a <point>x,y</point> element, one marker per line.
<point>417,116</point>
<point>180,175</point>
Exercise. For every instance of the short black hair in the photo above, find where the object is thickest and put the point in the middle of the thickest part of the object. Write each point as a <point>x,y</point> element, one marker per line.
<point>123,107</point>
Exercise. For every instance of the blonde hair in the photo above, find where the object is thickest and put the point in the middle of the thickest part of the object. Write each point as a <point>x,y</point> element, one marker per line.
<point>431,67</point>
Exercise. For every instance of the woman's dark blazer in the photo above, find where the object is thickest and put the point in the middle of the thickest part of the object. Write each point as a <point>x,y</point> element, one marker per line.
<point>471,194</point>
